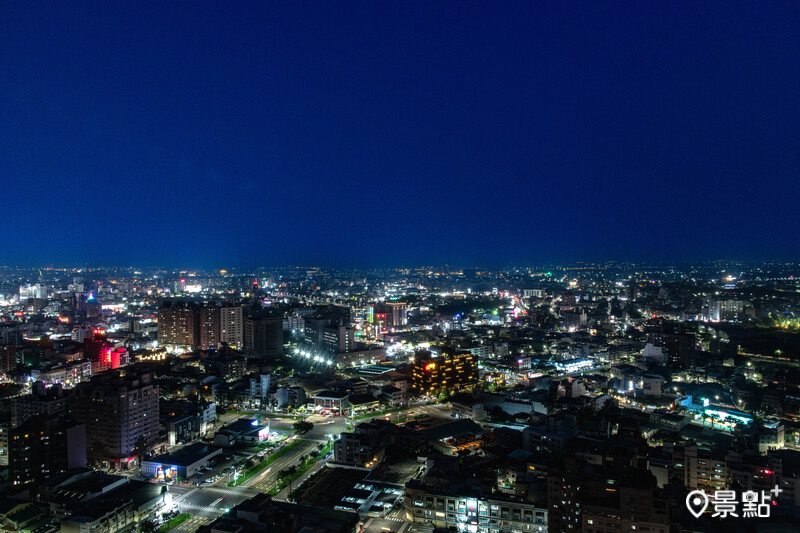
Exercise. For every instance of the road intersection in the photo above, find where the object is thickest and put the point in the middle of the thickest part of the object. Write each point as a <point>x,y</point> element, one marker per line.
<point>209,501</point>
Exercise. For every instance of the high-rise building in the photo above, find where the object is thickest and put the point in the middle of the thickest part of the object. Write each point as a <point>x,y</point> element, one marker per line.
<point>11,333</point>
<point>679,344</point>
<point>8,357</point>
<point>231,326</point>
<point>340,339</point>
<point>263,336</point>
<point>453,370</point>
<point>79,302</point>
<point>121,415</point>
<point>94,308</point>
<point>177,324</point>
<point>208,325</point>
<point>42,400</point>
<point>81,333</point>
<point>101,353</point>
<point>44,446</point>
<point>725,310</point>
<point>260,386</point>
<point>37,291</point>
<point>397,315</point>
<point>199,326</point>
<point>389,316</point>
<point>329,330</point>
<point>96,345</point>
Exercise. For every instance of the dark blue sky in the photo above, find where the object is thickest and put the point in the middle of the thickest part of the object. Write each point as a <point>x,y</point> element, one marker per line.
<point>380,133</point>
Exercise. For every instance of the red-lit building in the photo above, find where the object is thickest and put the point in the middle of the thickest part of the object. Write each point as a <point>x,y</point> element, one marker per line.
<point>102,353</point>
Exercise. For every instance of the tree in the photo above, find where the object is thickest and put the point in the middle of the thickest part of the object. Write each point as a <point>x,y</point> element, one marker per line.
<point>755,401</point>
<point>286,472</point>
<point>302,427</point>
<point>147,526</point>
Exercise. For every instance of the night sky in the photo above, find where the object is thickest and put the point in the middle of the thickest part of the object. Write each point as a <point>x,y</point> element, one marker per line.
<point>398,133</point>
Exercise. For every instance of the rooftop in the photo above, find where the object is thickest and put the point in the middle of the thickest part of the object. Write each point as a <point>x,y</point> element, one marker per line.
<point>187,455</point>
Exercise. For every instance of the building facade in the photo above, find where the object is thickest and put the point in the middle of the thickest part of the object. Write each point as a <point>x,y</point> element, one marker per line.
<point>476,513</point>
<point>231,326</point>
<point>44,446</point>
<point>263,336</point>
<point>121,415</point>
<point>453,370</point>
<point>177,325</point>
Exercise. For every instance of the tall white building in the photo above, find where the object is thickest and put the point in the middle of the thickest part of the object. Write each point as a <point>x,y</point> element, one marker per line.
<point>259,387</point>
<point>230,326</point>
<point>38,291</point>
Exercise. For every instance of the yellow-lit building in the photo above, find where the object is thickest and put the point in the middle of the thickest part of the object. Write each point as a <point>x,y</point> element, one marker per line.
<point>452,370</point>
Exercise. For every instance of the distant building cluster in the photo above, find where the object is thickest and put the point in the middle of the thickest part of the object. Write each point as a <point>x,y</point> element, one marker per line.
<point>591,397</point>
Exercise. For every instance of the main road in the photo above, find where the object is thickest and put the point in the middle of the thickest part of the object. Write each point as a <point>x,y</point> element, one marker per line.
<point>268,478</point>
<point>208,502</point>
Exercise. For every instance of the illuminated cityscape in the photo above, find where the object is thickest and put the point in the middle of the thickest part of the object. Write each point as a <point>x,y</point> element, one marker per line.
<point>382,267</point>
<point>530,399</point>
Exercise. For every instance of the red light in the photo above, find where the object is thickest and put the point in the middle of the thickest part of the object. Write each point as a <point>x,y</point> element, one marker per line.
<point>429,366</point>
<point>183,281</point>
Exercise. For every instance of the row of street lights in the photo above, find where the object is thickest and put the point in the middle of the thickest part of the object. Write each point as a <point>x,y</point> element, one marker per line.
<point>309,355</point>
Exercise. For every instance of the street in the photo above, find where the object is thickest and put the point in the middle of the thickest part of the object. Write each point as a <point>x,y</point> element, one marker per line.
<point>384,525</point>
<point>206,503</point>
<point>268,478</point>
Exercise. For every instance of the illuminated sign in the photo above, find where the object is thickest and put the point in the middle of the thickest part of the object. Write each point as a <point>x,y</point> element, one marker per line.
<point>429,366</point>
<point>472,511</point>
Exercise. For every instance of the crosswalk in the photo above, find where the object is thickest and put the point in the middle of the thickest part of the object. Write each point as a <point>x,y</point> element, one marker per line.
<point>185,495</point>
<point>192,524</point>
<point>205,508</point>
<point>230,491</point>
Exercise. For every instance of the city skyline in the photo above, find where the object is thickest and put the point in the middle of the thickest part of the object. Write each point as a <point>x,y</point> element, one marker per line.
<point>239,270</point>
<point>408,400</point>
<point>399,267</point>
